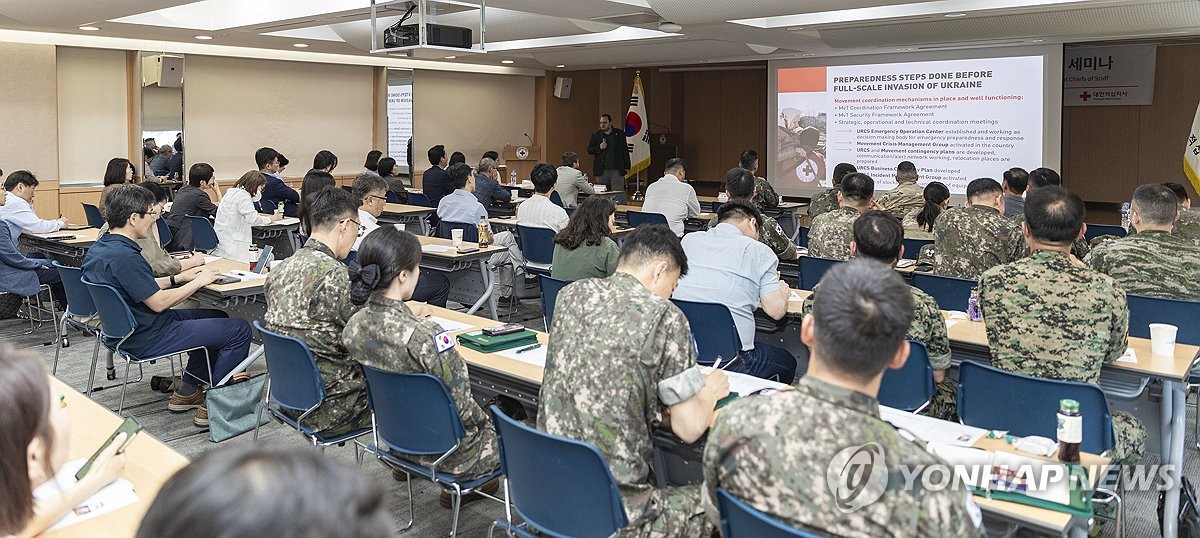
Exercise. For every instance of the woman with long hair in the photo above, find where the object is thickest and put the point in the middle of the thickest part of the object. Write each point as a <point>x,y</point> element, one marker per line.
<point>119,170</point>
<point>314,182</point>
<point>937,199</point>
<point>585,247</point>
<point>236,216</point>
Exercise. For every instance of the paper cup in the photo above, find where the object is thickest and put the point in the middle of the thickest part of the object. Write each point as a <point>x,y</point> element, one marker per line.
<point>456,236</point>
<point>1162,339</point>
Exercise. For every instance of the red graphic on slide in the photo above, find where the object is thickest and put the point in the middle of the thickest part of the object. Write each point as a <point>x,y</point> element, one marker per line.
<point>633,124</point>
<point>1085,95</point>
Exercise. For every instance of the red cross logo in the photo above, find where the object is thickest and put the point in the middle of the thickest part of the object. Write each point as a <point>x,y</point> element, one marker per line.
<point>1085,95</point>
<point>808,169</point>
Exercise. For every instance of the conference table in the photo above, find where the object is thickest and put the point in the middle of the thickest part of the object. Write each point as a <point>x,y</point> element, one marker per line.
<point>1123,379</point>
<point>785,211</point>
<point>510,224</point>
<point>404,214</point>
<point>149,464</point>
<point>63,246</point>
<point>691,224</point>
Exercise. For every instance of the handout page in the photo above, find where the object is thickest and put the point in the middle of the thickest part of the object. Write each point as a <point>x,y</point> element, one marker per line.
<point>931,429</point>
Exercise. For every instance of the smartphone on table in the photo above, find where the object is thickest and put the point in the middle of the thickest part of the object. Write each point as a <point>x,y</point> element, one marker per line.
<point>130,428</point>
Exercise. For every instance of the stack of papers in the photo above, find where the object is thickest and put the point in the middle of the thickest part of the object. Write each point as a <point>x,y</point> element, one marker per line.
<point>745,384</point>
<point>287,221</point>
<point>116,495</point>
<point>932,430</point>
<point>449,324</point>
<point>536,356</point>
<point>1129,356</point>
<point>437,248</point>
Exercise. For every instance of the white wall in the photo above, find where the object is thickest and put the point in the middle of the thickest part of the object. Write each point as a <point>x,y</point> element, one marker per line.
<point>93,113</point>
<point>29,107</point>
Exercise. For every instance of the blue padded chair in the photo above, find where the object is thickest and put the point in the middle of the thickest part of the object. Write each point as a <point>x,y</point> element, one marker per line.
<point>414,415</point>
<point>570,211</point>
<point>393,198</point>
<point>116,326</point>
<point>470,231</point>
<point>911,387</point>
<point>559,487</point>
<point>94,218</point>
<point>353,255</point>
<point>812,269</point>
<point>713,331</point>
<point>204,237</point>
<point>1097,230</point>
<point>294,386</point>
<point>554,197</point>
<point>80,312</point>
<point>419,198</point>
<point>550,287</point>
<point>1183,314</point>
<point>638,218</point>
<point>949,292</point>
<point>537,244</point>
<point>348,189</point>
<point>803,237</point>
<point>164,232</point>
<point>912,247</point>
<point>740,520</point>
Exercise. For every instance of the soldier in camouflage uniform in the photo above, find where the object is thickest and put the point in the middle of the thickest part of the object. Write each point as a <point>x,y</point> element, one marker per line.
<point>777,452</point>
<point>970,240</point>
<point>830,234</point>
<point>389,335</point>
<point>740,184</point>
<point>1041,177</point>
<point>621,360</point>
<point>1188,225</point>
<point>1151,262</point>
<point>308,297</point>
<point>907,195</point>
<point>1049,315</point>
<point>765,196</point>
<point>877,236</point>
<point>825,201</point>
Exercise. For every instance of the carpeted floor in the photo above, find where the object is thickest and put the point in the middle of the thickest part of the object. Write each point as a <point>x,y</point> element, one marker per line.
<point>431,519</point>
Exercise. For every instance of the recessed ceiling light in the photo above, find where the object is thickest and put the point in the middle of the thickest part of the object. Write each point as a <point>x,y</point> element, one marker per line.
<point>560,66</point>
<point>794,28</point>
<point>1038,40</point>
<point>300,45</point>
<point>955,15</point>
<point>808,54</point>
<point>204,37</point>
<point>89,28</point>
<point>506,61</point>
<point>904,50</point>
<point>451,57</point>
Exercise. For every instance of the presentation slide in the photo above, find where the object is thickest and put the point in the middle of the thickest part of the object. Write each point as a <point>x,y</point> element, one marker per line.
<point>956,120</point>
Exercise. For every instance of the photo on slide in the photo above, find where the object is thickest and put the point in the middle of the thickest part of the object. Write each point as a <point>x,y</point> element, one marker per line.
<point>801,129</point>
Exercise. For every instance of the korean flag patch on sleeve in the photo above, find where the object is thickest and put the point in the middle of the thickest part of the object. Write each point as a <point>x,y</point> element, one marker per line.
<point>443,341</point>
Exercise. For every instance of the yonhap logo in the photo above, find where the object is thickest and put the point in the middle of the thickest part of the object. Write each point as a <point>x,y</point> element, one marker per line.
<point>857,476</point>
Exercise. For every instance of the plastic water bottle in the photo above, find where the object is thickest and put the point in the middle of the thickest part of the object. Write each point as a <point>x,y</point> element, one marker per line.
<point>512,177</point>
<point>1125,215</point>
<point>974,313</point>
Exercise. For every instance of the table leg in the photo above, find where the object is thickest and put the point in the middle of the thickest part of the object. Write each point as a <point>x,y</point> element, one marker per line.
<point>795,227</point>
<point>253,356</point>
<point>488,294</point>
<point>1173,412</point>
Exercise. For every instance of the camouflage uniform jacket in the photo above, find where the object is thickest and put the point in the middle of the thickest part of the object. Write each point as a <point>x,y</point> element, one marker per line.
<point>1188,225</point>
<point>771,235</point>
<point>913,229</point>
<point>831,234</point>
<point>1079,248</point>
<point>1151,263</point>
<point>618,355</point>
<point>765,196</point>
<point>386,335</point>
<point>928,326</point>
<point>970,240</point>
<point>1050,316</point>
<point>781,467</point>
<point>308,297</point>
<point>821,203</point>
<point>902,199</point>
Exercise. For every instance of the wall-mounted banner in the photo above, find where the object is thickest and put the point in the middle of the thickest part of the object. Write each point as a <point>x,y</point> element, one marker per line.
<point>1108,76</point>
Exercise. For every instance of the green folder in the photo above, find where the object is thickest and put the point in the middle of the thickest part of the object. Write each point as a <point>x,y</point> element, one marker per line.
<point>490,344</point>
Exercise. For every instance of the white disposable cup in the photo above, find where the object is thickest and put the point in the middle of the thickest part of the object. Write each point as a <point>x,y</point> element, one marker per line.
<point>456,236</point>
<point>1162,339</point>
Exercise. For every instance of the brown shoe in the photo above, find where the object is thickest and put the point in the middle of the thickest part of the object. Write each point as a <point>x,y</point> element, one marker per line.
<point>201,420</point>
<point>490,488</point>
<point>180,403</point>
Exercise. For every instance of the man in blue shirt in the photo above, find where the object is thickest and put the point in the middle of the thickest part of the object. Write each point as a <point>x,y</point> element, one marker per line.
<point>433,180</point>
<point>115,260</point>
<point>728,265</point>
<point>276,191</point>
<point>461,206</point>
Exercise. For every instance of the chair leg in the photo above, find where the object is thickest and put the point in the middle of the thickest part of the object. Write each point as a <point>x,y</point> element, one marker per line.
<point>58,344</point>
<point>125,385</point>
<point>92,371</point>
<point>456,496</point>
<point>411,513</point>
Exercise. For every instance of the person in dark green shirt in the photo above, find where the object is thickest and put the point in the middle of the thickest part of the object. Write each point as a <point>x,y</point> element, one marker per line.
<point>585,248</point>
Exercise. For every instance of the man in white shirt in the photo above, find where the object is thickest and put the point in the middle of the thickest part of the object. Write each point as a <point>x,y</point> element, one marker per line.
<point>18,211</point>
<point>371,191</point>
<point>571,180</point>
<point>672,197</point>
<point>538,210</point>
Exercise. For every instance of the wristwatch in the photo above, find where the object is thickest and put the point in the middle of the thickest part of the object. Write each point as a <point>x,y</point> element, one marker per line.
<point>173,283</point>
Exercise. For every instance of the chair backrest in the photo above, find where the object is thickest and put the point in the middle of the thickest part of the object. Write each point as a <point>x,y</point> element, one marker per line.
<point>164,231</point>
<point>420,199</point>
<point>537,244</point>
<point>1024,405</point>
<point>349,259</point>
<point>79,300</point>
<point>554,197</point>
<point>470,231</point>
<point>570,211</point>
<point>949,292</point>
<point>803,237</point>
<point>910,387</point>
<point>116,319</point>
<point>713,330</point>
<point>203,235</point>
<point>1097,230</point>
<point>94,218</point>
<point>296,382</point>
<point>393,198</point>
<point>740,520</point>
<point>348,189</point>
<point>414,413</point>
<point>550,287</point>
<point>812,269</point>
<point>1183,314</point>
<point>638,218</point>
<point>559,486</point>
<point>912,247</point>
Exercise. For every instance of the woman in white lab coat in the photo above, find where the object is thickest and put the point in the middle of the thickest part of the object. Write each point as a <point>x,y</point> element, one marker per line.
<point>236,216</point>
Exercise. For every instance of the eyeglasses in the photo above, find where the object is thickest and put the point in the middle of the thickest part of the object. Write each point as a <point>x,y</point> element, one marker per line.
<point>384,198</point>
<point>361,228</point>
<point>148,213</point>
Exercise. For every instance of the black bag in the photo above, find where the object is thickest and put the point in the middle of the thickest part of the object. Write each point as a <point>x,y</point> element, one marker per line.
<point>1189,510</point>
<point>10,303</point>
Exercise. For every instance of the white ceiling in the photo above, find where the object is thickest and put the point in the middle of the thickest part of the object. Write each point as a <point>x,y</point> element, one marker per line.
<point>582,34</point>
